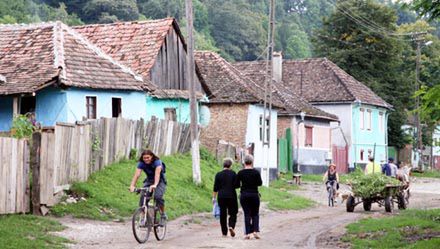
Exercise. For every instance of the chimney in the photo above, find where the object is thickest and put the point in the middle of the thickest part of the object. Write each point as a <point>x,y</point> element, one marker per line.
<point>277,66</point>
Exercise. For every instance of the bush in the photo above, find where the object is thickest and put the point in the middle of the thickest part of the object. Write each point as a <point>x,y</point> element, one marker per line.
<point>366,186</point>
<point>22,127</point>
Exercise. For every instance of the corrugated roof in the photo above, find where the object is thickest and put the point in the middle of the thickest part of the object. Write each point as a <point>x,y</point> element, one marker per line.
<point>33,56</point>
<point>320,80</point>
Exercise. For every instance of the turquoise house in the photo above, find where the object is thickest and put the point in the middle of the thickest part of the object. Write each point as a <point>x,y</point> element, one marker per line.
<point>63,77</point>
<point>155,49</point>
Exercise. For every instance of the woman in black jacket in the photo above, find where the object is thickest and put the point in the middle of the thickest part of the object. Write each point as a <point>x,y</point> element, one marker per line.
<point>248,180</point>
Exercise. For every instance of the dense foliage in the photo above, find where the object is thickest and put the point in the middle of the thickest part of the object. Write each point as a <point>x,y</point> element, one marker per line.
<point>370,185</point>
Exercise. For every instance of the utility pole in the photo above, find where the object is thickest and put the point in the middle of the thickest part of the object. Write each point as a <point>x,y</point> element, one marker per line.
<point>267,118</point>
<point>417,115</point>
<point>190,70</point>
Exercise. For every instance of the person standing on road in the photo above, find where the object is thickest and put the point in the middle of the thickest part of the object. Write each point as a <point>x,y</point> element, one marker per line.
<point>154,168</point>
<point>248,180</point>
<point>224,192</point>
<point>372,167</point>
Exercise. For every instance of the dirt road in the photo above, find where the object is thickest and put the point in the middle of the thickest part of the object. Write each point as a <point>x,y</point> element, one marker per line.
<point>318,227</point>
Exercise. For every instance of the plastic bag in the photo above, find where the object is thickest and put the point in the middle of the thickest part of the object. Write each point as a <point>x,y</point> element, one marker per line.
<point>216,210</point>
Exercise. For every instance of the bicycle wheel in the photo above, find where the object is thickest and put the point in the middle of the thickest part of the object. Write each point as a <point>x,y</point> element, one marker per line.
<point>330,197</point>
<point>160,227</point>
<point>140,225</point>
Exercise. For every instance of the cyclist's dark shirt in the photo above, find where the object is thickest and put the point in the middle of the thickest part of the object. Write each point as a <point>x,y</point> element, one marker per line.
<point>224,184</point>
<point>248,180</point>
<point>150,170</point>
<point>331,177</point>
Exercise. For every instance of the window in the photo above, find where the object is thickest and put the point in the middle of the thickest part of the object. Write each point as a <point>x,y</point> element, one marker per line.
<point>362,118</point>
<point>116,107</point>
<point>91,107</point>
<point>309,136</point>
<point>381,122</point>
<point>27,104</point>
<point>368,119</point>
<point>170,114</point>
<point>261,129</point>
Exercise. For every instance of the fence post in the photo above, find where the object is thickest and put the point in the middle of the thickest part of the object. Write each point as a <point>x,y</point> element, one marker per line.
<point>35,166</point>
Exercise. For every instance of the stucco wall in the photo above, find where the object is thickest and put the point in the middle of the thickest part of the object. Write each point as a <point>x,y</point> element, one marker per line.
<point>155,107</point>
<point>253,136</point>
<point>344,113</point>
<point>51,106</point>
<point>227,122</point>
<point>6,113</point>
<point>133,103</point>
<point>283,123</point>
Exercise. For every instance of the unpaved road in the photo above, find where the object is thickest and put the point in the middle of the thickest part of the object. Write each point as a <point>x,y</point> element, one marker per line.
<point>318,227</point>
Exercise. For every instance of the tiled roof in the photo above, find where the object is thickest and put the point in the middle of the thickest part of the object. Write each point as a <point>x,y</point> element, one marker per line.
<point>293,103</point>
<point>225,83</point>
<point>320,80</point>
<point>135,44</point>
<point>36,55</point>
<point>174,94</point>
<point>2,79</point>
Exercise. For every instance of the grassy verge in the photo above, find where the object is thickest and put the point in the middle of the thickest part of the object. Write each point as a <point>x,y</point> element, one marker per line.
<point>428,173</point>
<point>409,229</point>
<point>107,195</point>
<point>27,231</point>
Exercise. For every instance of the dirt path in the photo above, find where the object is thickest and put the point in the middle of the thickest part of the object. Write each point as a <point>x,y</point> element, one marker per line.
<point>318,227</point>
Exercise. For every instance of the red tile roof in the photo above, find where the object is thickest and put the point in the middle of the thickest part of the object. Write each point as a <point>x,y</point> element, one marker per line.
<point>174,94</point>
<point>320,80</point>
<point>135,44</point>
<point>36,55</point>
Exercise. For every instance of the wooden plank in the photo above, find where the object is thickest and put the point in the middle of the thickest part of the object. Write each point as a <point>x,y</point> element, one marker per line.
<point>3,175</point>
<point>12,194</point>
<point>26,170</point>
<point>19,177</point>
<point>50,170</point>
<point>44,195</point>
<point>8,161</point>
<point>35,165</point>
<point>105,142</point>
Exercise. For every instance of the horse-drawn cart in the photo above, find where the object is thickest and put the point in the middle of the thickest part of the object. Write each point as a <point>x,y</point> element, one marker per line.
<point>391,194</point>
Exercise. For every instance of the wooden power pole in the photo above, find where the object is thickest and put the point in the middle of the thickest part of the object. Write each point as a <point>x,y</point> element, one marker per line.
<point>190,71</point>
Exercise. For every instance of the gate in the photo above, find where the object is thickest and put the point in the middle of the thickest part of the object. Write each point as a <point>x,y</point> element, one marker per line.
<point>340,158</point>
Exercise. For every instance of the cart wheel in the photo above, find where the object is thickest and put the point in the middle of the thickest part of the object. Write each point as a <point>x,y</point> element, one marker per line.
<point>350,204</point>
<point>367,204</point>
<point>401,202</point>
<point>388,204</point>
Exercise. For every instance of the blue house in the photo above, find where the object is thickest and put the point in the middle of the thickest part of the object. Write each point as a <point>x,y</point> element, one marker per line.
<point>156,50</point>
<point>51,70</point>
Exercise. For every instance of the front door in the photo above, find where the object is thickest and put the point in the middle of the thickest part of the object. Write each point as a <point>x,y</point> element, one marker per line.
<point>340,158</point>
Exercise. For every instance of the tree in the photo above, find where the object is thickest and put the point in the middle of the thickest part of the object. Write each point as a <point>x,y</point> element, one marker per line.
<point>368,52</point>
<point>429,8</point>
<point>106,10</point>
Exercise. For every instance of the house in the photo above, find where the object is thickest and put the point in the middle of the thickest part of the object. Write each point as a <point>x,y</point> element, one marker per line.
<point>311,144</point>
<point>155,49</point>
<point>237,112</point>
<point>51,70</point>
<point>362,114</point>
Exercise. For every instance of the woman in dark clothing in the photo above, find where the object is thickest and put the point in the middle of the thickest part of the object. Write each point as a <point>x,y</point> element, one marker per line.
<point>224,191</point>
<point>248,180</point>
<point>331,177</point>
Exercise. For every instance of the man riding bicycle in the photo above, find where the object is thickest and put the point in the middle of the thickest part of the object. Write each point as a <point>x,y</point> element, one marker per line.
<point>154,168</point>
<point>331,178</point>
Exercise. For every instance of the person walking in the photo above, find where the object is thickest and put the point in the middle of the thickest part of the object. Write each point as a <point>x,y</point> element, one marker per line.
<point>224,192</point>
<point>248,180</point>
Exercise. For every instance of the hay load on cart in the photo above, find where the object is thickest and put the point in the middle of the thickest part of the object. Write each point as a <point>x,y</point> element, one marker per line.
<point>376,188</point>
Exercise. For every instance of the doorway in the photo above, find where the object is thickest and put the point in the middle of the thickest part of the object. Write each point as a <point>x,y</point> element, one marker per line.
<point>116,107</point>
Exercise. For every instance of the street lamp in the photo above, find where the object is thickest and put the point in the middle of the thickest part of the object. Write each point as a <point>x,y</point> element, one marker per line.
<point>302,115</point>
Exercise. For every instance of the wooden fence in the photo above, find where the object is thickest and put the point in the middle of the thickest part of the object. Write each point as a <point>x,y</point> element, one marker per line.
<point>69,153</point>
<point>14,175</point>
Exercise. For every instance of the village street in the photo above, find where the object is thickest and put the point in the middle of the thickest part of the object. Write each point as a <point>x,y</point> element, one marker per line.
<point>318,227</point>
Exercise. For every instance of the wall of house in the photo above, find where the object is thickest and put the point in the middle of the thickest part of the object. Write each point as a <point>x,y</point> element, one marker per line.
<point>312,159</point>
<point>344,113</point>
<point>284,122</point>
<point>51,106</point>
<point>371,141</point>
<point>168,71</point>
<point>156,107</point>
<point>253,136</point>
<point>436,142</point>
<point>227,122</point>
<point>6,113</point>
<point>133,103</point>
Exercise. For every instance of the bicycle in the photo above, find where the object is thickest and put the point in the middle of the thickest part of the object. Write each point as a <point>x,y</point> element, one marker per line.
<point>146,218</point>
<point>331,189</point>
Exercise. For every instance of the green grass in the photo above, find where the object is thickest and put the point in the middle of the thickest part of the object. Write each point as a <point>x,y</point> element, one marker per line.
<point>27,231</point>
<point>409,229</point>
<point>107,195</point>
<point>428,173</point>
<point>284,183</point>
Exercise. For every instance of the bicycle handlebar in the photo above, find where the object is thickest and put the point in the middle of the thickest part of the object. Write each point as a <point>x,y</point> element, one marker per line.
<point>139,190</point>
